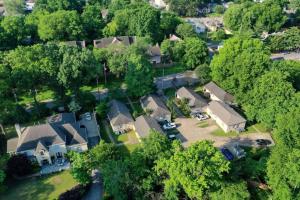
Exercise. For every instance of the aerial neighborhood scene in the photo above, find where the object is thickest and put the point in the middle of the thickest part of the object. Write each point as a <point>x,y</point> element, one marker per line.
<point>149,100</point>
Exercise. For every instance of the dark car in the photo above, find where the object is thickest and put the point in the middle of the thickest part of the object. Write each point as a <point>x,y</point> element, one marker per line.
<point>263,142</point>
<point>228,155</point>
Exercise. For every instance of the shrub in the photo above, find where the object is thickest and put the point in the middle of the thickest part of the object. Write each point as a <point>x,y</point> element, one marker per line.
<point>101,109</point>
<point>19,165</point>
<point>219,9</point>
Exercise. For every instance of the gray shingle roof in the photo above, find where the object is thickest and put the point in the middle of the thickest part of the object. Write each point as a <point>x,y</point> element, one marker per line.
<point>224,112</point>
<point>12,144</point>
<point>41,146</point>
<point>118,113</point>
<point>74,134</point>
<point>194,98</point>
<point>153,103</point>
<point>219,92</point>
<point>144,124</point>
<point>154,50</point>
<point>105,42</point>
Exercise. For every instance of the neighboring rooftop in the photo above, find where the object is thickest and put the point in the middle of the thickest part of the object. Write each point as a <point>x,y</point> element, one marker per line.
<point>118,113</point>
<point>75,43</point>
<point>144,124</point>
<point>219,92</point>
<point>153,103</point>
<point>224,112</point>
<point>174,38</point>
<point>105,42</point>
<point>154,50</point>
<point>194,98</point>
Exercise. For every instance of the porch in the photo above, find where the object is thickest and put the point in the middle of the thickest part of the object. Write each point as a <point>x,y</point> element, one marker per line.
<point>57,165</point>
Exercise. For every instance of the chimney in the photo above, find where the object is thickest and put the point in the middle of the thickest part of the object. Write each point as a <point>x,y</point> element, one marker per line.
<point>18,129</point>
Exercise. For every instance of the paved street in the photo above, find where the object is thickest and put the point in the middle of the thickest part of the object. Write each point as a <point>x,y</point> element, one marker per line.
<point>96,189</point>
<point>190,133</point>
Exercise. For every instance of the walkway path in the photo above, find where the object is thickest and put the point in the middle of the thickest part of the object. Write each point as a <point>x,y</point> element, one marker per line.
<point>96,189</point>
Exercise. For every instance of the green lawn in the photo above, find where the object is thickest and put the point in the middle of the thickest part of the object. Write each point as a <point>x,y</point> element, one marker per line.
<point>177,68</point>
<point>128,148</point>
<point>261,127</point>
<point>41,96</point>
<point>39,188</point>
<point>220,132</point>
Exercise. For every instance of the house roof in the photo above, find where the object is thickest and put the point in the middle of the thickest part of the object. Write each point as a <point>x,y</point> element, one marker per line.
<point>218,92</point>
<point>154,50</point>
<point>194,98</point>
<point>41,146</point>
<point>118,113</point>
<point>286,56</point>
<point>60,129</point>
<point>105,42</point>
<point>174,38</point>
<point>224,112</point>
<point>153,103</point>
<point>144,124</point>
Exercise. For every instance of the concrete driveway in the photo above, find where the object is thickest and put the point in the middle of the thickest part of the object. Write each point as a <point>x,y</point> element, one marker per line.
<point>92,130</point>
<point>190,132</point>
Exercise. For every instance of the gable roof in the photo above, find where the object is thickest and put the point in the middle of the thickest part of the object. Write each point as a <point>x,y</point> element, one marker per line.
<point>154,50</point>
<point>118,113</point>
<point>194,98</point>
<point>174,38</point>
<point>218,92</point>
<point>74,134</point>
<point>144,124</point>
<point>224,112</point>
<point>105,42</point>
<point>40,146</point>
<point>153,103</point>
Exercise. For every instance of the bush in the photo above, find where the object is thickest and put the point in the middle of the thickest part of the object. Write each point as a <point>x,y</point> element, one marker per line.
<point>75,193</point>
<point>88,100</point>
<point>101,109</point>
<point>219,9</point>
<point>19,165</point>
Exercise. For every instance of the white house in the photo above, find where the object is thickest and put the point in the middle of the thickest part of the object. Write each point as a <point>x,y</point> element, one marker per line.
<point>47,142</point>
<point>226,117</point>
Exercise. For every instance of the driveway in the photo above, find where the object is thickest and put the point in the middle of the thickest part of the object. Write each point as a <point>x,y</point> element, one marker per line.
<point>92,130</point>
<point>190,132</point>
<point>96,189</point>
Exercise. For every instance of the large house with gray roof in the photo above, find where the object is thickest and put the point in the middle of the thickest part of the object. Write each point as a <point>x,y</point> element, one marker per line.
<point>144,124</point>
<point>226,117</point>
<point>46,142</point>
<point>195,101</point>
<point>218,94</point>
<point>119,117</point>
<point>119,40</point>
<point>156,108</point>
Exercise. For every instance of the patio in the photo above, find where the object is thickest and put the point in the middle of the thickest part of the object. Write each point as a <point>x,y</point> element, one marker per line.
<point>59,165</point>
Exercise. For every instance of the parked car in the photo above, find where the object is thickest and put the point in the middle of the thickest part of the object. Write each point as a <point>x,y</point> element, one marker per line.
<point>169,126</point>
<point>87,116</point>
<point>201,116</point>
<point>263,142</point>
<point>228,155</point>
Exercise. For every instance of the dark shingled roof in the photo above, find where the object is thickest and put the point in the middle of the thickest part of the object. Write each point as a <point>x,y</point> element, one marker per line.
<point>144,124</point>
<point>153,103</point>
<point>118,113</point>
<point>105,42</point>
<point>194,98</point>
<point>224,112</point>
<point>219,92</point>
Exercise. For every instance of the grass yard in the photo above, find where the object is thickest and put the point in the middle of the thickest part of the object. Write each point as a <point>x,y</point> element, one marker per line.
<point>221,133</point>
<point>261,127</point>
<point>177,68</point>
<point>128,148</point>
<point>40,188</point>
<point>41,96</point>
<point>203,124</point>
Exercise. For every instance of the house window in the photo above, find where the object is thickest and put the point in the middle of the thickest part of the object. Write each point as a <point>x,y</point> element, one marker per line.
<point>42,152</point>
<point>59,154</point>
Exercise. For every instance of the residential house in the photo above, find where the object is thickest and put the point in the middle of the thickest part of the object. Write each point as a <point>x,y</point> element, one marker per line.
<point>155,106</point>
<point>29,5</point>
<point>154,54</point>
<point>226,117</point>
<point>160,4</point>
<point>119,40</point>
<point>216,93</point>
<point>119,117</point>
<point>46,142</point>
<point>2,9</point>
<point>195,101</point>
<point>144,124</point>
<point>212,23</point>
<point>197,24</point>
<point>74,43</point>
<point>174,38</point>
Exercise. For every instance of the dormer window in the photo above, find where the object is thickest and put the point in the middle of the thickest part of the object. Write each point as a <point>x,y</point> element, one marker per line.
<point>42,152</point>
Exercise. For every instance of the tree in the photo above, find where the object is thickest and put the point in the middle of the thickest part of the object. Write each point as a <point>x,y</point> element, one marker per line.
<point>169,23</point>
<point>60,25</point>
<point>101,109</point>
<point>271,96</point>
<point>56,5</point>
<point>80,167</point>
<point>185,30</point>
<point>231,191</point>
<point>19,165</point>
<point>196,53</point>
<point>194,171</point>
<point>238,65</point>
<point>203,73</point>
<point>139,77</point>
<point>92,21</point>
<point>14,7</point>
<point>117,59</point>
<point>74,106</point>
<point>219,9</point>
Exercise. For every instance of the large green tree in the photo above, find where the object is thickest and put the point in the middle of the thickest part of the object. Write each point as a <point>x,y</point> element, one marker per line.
<point>196,53</point>
<point>239,63</point>
<point>194,171</point>
<point>92,21</point>
<point>14,7</point>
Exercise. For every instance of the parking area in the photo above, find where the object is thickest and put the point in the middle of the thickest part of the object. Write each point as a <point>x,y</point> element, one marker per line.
<point>192,130</point>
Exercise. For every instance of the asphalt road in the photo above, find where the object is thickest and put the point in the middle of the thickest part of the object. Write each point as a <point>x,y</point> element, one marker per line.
<point>96,189</point>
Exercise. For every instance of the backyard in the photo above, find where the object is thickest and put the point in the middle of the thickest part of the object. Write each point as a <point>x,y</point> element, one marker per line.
<point>39,188</point>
